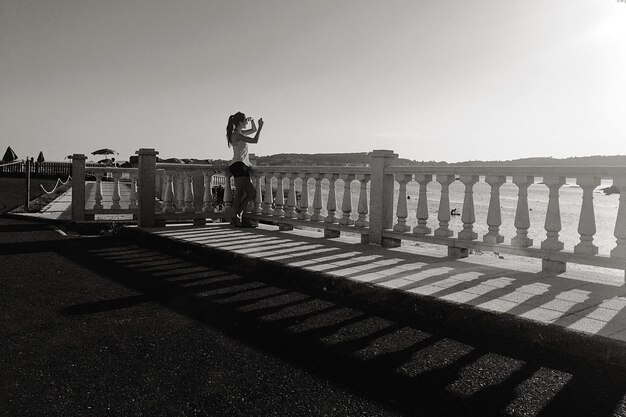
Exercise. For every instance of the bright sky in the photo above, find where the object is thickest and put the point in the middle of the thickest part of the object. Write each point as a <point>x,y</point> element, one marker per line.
<point>431,80</point>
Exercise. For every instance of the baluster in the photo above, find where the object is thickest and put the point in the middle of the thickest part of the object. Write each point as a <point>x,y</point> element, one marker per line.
<point>116,191</point>
<point>362,209</point>
<point>98,197</point>
<point>317,200</point>
<point>168,207</point>
<point>164,182</point>
<point>467,217</point>
<point>258,195</point>
<point>620,223</point>
<point>494,216</point>
<point>188,204</point>
<point>207,198</point>
<point>179,190</point>
<point>267,204</point>
<point>401,210</point>
<point>133,191</point>
<point>422,205</point>
<point>304,197</point>
<point>587,220</point>
<point>291,197</point>
<point>331,204</point>
<point>522,220</point>
<point>228,191</point>
<point>444,206</point>
<point>553,215</point>
<point>279,211</point>
<point>346,205</point>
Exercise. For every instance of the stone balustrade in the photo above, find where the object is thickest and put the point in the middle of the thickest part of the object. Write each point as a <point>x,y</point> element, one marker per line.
<point>284,194</point>
<point>550,250</point>
<point>325,198</point>
<point>180,191</point>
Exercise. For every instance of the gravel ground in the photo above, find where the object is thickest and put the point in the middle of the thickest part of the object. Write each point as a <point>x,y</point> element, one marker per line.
<point>101,326</point>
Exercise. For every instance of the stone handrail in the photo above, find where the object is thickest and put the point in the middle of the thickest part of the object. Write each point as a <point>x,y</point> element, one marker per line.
<point>290,211</point>
<point>119,176</point>
<point>551,250</point>
<point>186,191</point>
<point>283,197</point>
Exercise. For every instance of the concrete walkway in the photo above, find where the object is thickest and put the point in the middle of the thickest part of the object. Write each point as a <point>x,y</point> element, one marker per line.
<point>584,303</point>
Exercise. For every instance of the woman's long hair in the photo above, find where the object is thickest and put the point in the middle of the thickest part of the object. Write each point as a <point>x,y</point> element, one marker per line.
<point>233,121</point>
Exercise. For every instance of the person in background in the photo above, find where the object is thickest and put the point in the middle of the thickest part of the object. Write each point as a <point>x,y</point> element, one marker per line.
<point>238,139</point>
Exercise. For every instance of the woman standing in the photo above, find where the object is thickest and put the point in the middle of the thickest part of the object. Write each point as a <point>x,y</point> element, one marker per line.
<point>240,164</point>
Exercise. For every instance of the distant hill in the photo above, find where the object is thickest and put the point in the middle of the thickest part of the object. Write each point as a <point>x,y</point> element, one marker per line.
<point>322,159</point>
<point>362,159</point>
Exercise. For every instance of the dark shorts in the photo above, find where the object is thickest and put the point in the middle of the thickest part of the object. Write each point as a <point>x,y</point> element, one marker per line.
<point>239,169</point>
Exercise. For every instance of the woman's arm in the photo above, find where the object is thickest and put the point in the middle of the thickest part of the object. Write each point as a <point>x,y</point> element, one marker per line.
<point>248,139</point>
<point>251,130</point>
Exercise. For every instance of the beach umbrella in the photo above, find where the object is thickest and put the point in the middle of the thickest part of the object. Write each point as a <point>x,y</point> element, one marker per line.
<point>40,157</point>
<point>9,155</point>
<point>104,161</point>
<point>104,151</point>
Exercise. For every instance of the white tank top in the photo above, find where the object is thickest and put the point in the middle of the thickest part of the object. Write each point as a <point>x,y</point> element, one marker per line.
<point>240,152</point>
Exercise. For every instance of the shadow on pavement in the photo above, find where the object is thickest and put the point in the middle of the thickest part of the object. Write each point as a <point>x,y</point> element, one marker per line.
<point>421,368</point>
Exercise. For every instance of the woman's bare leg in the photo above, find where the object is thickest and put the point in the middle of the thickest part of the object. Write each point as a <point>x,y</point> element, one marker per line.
<point>248,195</point>
<point>240,194</point>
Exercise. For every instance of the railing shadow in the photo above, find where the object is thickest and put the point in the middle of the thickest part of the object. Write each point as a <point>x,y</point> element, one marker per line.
<point>418,367</point>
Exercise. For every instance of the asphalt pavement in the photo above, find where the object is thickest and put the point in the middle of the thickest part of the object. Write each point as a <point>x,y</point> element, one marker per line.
<point>107,326</point>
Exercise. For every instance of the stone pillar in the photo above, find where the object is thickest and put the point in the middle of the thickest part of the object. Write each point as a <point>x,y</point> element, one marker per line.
<point>228,192</point>
<point>467,217</point>
<point>197,182</point>
<point>522,220</point>
<point>620,223</point>
<point>587,220</point>
<point>444,206</point>
<point>179,189</point>
<point>304,197</point>
<point>346,204</point>
<point>168,197</point>
<point>494,216</point>
<point>362,209</point>
<point>381,196</point>
<point>422,205</point>
<point>188,192</point>
<point>258,195</point>
<point>147,183</point>
<point>207,198</point>
<point>116,191</point>
<point>290,213</point>
<point>331,204</point>
<point>78,187</point>
<point>317,199</point>
<point>279,202</point>
<point>98,196</point>
<point>401,210</point>
<point>267,203</point>
<point>133,191</point>
<point>553,215</point>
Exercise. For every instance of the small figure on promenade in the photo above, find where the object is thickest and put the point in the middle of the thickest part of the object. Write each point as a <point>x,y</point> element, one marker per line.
<point>236,134</point>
